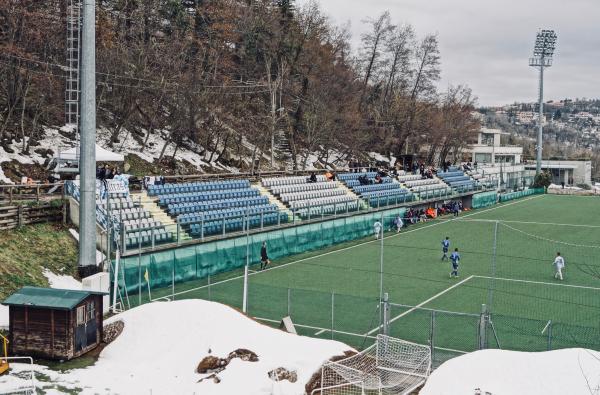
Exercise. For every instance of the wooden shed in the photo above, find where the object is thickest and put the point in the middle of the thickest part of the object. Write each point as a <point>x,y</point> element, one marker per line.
<point>54,323</point>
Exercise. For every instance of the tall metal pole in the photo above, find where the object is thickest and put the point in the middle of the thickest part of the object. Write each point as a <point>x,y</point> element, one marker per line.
<point>381,273</point>
<point>87,160</point>
<point>538,166</point>
<point>247,266</point>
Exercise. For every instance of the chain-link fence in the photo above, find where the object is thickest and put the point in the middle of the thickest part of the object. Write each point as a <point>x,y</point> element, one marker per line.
<point>508,267</point>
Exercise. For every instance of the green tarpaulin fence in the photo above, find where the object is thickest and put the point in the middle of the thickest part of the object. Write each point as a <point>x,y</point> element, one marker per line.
<point>505,197</point>
<point>485,199</point>
<point>201,260</point>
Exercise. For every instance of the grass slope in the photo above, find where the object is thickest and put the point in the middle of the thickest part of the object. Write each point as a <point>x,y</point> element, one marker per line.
<point>26,252</point>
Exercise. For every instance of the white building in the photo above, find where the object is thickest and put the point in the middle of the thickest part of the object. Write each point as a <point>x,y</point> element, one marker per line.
<point>489,150</point>
<point>571,172</point>
<point>496,161</point>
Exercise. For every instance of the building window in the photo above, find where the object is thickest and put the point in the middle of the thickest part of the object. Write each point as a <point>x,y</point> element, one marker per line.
<point>483,158</point>
<point>81,315</point>
<point>91,312</point>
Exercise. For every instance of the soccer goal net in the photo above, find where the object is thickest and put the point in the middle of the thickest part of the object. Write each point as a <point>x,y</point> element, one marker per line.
<point>390,366</point>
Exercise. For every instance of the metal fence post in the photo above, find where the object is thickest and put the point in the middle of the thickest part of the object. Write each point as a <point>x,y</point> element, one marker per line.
<point>289,302</point>
<point>432,335</point>
<point>209,295</point>
<point>386,314</point>
<point>483,327</point>
<point>550,335</point>
<point>332,312</point>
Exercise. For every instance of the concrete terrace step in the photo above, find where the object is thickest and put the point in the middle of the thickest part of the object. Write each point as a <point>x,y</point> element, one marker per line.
<point>150,203</point>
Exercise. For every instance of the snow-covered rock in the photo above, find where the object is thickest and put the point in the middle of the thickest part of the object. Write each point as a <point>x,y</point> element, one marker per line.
<point>497,372</point>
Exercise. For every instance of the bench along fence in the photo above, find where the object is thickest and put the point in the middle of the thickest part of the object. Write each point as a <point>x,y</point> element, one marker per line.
<point>14,216</point>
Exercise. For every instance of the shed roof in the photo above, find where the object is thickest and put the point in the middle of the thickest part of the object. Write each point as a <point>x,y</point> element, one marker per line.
<point>60,299</point>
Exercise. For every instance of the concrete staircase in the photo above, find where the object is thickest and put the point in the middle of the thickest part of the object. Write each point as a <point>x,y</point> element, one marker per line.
<point>151,204</point>
<point>273,200</point>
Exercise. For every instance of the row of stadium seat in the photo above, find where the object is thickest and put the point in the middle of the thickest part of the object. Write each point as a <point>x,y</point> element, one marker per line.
<point>146,223</point>
<point>291,197</point>
<point>409,177</point>
<point>192,207</point>
<point>361,189</point>
<point>335,200</point>
<point>279,181</point>
<point>186,219</point>
<point>160,236</point>
<point>158,190</point>
<point>235,224</point>
<point>354,183</point>
<point>303,187</point>
<point>165,200</point>
<point>326,209</point>
<point>427,181</point>
<point>355,176</point>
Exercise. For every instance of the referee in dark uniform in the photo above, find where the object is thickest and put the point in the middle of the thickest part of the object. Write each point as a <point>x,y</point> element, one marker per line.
<point>264,257</point>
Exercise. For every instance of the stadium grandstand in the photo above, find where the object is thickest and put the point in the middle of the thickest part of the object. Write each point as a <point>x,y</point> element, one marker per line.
<point>376,191</point>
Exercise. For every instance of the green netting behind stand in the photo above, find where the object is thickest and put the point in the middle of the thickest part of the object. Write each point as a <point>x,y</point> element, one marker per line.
<point>485,199</point>
<point>198,261</point>
<point>505,197</point>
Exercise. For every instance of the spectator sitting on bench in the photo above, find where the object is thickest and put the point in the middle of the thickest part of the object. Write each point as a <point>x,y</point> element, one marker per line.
<point>378,179</point>
<point>312,178</point>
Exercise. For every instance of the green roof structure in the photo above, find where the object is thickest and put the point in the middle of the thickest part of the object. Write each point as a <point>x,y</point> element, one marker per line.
<point>59,299</point>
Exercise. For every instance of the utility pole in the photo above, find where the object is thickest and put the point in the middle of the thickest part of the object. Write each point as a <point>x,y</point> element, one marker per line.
<point>87,165</point>
<point>543,51</point>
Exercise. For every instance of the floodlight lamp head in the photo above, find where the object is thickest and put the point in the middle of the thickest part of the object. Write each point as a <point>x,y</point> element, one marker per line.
<point>545,43</point>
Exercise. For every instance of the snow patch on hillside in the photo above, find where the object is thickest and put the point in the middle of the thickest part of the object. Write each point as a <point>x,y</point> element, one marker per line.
<point>61,281</point>
<point>499,372</point>
<point>163,342</point>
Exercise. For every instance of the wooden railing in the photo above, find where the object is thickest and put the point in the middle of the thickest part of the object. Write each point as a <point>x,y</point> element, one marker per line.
<point>20,193</point>
<point>13,216</point>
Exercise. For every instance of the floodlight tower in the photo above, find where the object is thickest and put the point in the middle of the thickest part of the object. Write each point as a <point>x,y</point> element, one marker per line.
<point>545,43</point>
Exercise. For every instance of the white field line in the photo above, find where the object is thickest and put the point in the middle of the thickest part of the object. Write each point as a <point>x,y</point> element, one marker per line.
<point>321,331</point>
<point>422,304</point>
<point>539,282</point>
<point>531,223</point>
<point>438,222</point>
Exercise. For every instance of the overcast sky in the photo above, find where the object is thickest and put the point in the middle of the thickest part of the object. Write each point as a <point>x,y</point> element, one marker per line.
<point>486,44</point>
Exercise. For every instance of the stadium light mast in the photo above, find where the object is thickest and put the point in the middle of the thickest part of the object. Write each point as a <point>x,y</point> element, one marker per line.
<point>545,43</point>
<point>87,160</point>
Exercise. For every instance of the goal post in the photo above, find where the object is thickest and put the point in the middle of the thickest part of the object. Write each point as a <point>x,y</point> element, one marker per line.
<point>391,365</point>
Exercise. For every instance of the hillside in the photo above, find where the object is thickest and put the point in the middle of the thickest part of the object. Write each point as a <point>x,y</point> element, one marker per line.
<point>188,86</point>
<point>26,252</point>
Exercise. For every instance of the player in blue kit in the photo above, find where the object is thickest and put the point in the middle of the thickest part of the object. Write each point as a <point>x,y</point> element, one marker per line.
<point>455,258</point>
<point>445,247</point>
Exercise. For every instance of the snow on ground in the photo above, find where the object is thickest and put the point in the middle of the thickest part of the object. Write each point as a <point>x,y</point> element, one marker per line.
<point>163,342</point>
<point>497,372</point>
<point>3,317</point>
<point>61,281</point>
